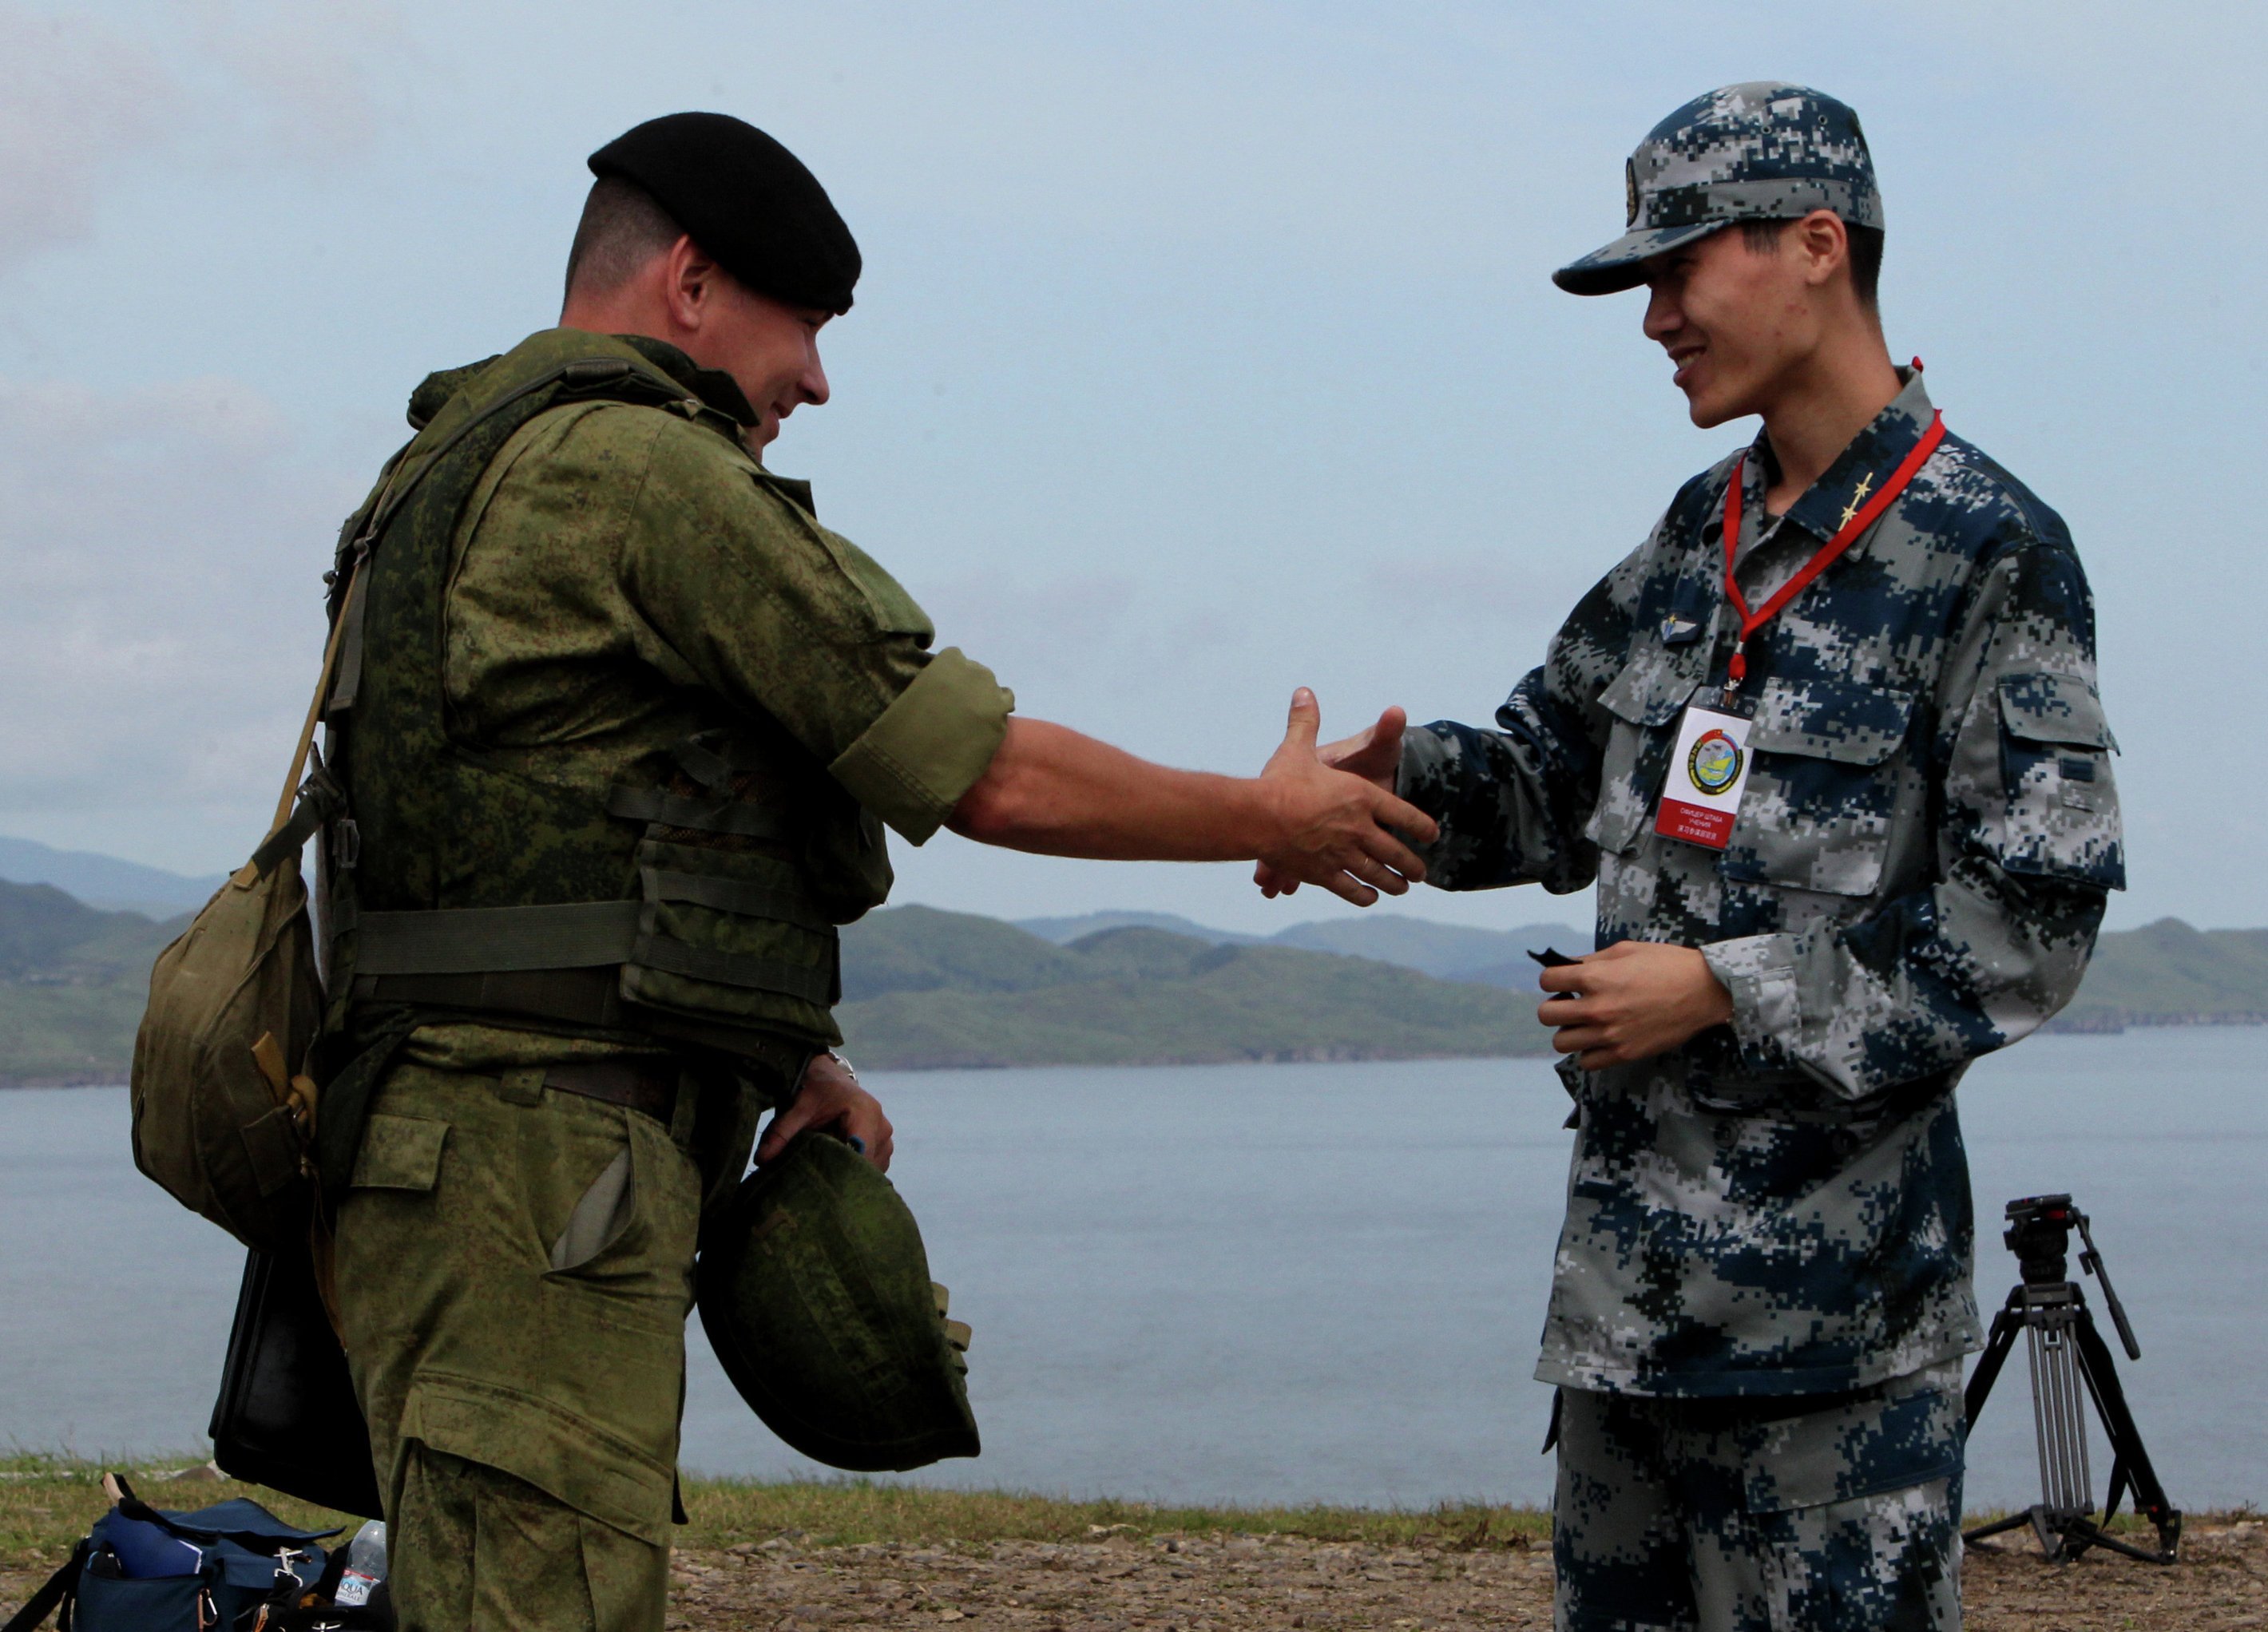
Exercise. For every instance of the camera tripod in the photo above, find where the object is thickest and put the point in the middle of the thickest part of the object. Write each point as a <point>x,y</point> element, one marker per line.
<point>2066,1352</point>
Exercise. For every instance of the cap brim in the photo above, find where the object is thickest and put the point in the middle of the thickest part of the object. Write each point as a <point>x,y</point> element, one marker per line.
<point>1617,266</point>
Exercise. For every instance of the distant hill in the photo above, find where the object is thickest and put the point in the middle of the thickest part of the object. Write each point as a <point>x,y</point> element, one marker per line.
<point>104,881</point>
<point>2166,973</point>
<point>1064,931</point>
<point>1448,952</point>
<point>72,983</point>
<point>925,989</point>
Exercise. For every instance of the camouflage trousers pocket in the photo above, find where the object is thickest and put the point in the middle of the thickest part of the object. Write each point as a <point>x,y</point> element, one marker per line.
<point>624,1249</point>
<point>476,1547</point>
<point>571,1458</point>
<point>601,1218</point>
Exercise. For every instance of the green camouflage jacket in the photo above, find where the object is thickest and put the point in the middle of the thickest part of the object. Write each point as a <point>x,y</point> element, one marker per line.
<point>625,577</point>
<point>1916,878</point>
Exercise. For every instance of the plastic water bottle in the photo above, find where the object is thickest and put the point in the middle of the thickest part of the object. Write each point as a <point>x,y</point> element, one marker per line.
<point>366,1565</point>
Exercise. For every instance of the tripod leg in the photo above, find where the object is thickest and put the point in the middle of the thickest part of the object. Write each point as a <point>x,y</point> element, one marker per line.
<point>2007,1322</point>
<point>2006,1325</point>
<point>2119,1480</point>
<point>2095,1536</point>
<point>2014,1521</point>
<point>2125,1439</point>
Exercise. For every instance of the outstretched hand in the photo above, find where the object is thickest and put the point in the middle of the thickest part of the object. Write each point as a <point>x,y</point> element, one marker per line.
<point>1343,827</point>
<point>1374,754</point>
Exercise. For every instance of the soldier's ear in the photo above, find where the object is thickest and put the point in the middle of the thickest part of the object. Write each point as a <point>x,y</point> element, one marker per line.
<point>1821,241</point>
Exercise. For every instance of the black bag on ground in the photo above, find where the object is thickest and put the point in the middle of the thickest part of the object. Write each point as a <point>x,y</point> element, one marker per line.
<point>287,1417</point>
<point>154,1569</point>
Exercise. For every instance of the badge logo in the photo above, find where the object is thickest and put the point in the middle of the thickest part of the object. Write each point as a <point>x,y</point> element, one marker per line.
<point>1630,191</point>
<point>1714,765</point>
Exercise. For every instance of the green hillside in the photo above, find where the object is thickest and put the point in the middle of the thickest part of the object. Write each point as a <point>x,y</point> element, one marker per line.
<point>925,989</point>
<point>72,981</point>
<point>928,989</point>
<point>2166,973</point>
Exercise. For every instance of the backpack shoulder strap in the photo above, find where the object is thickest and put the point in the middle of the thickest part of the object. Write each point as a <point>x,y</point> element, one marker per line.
<point>302,809</point>
<point>626,378</point>
<point>61,1588</point>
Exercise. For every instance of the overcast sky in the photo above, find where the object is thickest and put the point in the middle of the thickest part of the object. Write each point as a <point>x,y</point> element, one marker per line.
<point>1203,350</point>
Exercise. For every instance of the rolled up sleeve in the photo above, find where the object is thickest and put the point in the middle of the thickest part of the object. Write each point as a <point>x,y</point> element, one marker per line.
<point>912,765</point>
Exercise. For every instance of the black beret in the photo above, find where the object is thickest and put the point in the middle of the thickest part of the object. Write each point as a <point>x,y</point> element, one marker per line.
<point>744,199</point>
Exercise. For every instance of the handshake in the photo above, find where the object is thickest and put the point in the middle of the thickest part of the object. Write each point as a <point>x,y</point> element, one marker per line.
<point>1373,853</point>
<point>1322,815</point>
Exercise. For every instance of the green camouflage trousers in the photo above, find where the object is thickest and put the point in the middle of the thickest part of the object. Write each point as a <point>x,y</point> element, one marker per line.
<point>1802,1514</point>
<point>514,1269</point>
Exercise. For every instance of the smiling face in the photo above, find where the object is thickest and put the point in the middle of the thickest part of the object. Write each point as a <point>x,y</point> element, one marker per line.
<point>1740,324</point>
<point>769,348</point>
<point>675,292</point>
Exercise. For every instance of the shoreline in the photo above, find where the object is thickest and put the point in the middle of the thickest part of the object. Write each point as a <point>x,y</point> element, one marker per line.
<point>2112,1026</point>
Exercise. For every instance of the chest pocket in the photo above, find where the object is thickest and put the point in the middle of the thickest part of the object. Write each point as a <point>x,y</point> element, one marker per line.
<point>1644,700</point>
<point>2061,818</point>
<point>1823,789</point>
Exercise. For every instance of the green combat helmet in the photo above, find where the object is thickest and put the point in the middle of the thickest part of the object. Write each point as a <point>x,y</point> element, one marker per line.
<point>815,1293</point>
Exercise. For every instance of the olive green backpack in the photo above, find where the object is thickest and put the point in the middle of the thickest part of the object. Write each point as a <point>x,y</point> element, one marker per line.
<point>223,1117</point>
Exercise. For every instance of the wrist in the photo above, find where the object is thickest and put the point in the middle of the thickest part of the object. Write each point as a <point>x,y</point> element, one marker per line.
<point>1264,816</point>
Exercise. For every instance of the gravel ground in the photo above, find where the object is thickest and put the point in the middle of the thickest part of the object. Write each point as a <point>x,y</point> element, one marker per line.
<point>1189,1583</point>
<point>1192,1584</point>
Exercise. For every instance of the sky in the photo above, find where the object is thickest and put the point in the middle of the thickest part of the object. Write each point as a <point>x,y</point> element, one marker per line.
<point>1203,350</point>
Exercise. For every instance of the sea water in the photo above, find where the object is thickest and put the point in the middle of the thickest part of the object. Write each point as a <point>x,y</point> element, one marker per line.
<point>1258,1283</point>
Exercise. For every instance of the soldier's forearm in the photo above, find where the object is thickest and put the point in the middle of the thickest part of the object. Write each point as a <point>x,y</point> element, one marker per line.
<point>1056,791</point>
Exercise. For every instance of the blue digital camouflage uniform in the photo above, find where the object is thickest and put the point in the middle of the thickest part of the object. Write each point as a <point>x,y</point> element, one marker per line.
<point>1762,1288</point>
<point>1781,1207</point>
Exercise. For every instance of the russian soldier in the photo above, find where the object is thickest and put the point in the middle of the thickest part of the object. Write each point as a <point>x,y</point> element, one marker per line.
<point>618,729</point>
<point>1829,743</point>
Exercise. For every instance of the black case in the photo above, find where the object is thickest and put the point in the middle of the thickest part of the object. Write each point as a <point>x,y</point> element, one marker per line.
<point>287,1417</point>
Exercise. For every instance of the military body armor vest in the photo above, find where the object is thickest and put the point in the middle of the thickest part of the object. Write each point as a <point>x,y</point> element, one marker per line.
<point>695,900</point>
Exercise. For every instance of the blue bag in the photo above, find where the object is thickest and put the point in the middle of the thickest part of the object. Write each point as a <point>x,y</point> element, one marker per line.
<point>143,1569</point>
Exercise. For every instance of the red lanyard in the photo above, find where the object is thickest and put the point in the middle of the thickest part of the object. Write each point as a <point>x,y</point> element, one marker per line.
<point>1855,521</point>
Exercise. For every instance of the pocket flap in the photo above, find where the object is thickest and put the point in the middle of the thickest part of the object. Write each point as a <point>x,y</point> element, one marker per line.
<point>2053,707</point>
<point>400,1153</point>
<point>569,1458</point>
<point>1845,721</point>
<point>1647,691</point>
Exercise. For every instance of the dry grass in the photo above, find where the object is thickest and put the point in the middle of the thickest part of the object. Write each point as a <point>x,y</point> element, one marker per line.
<point>47,1502</point>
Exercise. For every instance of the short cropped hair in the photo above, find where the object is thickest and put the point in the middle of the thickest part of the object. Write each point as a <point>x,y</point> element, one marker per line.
<point>1865,254</point>
<point>622,228</point>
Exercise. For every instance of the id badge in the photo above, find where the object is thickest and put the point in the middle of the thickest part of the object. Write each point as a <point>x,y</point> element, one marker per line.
<point>1708,771</point>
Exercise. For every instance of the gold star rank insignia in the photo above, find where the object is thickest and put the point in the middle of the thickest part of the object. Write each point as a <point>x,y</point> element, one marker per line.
<point>1857,497</point>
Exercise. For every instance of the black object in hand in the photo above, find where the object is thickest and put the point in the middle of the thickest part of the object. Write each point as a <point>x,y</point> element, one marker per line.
<point>1552,960</point>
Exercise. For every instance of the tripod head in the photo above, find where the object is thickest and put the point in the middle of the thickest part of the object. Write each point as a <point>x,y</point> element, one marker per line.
<point>2039,1234</point>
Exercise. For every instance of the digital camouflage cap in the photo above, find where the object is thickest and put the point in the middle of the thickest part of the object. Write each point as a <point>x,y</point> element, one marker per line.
<point>1761,152</point>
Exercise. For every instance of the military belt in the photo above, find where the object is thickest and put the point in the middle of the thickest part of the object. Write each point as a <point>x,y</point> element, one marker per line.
<point>626,1083</point>
<point>585,997</point>
<point>488,941</point>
